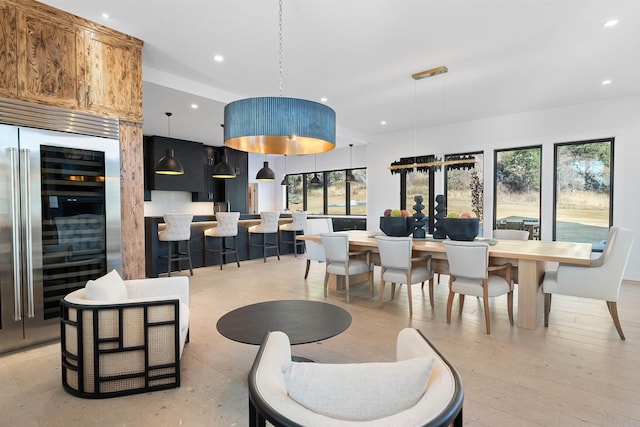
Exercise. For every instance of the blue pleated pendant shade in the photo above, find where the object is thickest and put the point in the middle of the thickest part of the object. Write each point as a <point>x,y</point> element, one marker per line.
<point>279,125</point>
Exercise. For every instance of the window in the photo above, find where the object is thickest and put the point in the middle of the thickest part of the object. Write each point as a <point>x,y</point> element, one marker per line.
<point>416,183</point>
<point>314,200</point>
<point>517,189</point>
<point>332,196</point>
<point>464,186</point>
<point>357,201</point>
<point>583,194</point>
<point>295,192</point>
<point>336,193</point>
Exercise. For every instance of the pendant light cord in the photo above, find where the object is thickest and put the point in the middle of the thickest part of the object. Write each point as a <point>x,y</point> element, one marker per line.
<point>169,123</point>
<point>281,50</point>
<point>415,121</point>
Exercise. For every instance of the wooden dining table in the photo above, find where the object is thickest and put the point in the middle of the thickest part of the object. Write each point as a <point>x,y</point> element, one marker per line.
<point>528,258</point>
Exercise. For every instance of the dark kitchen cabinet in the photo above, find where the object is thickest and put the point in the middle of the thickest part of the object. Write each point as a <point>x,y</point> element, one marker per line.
<point>208,186</point>
<point>233,190</point>
<point>187,152</point>
<point>236,191</point>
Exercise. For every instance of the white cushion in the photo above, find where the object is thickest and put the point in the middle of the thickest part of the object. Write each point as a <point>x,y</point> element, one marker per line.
<point>109,287</point>
<point>358,391</point>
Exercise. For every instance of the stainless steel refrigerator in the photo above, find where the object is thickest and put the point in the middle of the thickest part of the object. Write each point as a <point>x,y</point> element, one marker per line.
<point>59,214</point>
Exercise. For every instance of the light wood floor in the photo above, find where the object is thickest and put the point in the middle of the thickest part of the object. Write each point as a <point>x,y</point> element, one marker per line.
<point>576,372</point>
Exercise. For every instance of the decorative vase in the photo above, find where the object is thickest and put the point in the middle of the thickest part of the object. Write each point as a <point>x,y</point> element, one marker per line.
<point>396,226</point>
<point>464,229</point>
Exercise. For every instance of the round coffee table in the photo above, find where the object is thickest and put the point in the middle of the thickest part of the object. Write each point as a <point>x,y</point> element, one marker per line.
<point>303,321</point>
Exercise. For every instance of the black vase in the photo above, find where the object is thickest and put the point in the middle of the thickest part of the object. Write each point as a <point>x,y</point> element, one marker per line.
<point>396,226</point>
<point>464,229</point>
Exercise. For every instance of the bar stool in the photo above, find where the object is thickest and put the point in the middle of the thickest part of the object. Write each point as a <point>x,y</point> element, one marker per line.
<point>178,230</point>
<point>227,227</point>
<point>296,227</point>
<point>268,225</point>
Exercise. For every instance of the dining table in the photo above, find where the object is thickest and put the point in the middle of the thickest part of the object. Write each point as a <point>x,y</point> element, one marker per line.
<point>528,258</point>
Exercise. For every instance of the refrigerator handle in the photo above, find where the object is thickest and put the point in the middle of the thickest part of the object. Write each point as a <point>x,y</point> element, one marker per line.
<point>25,177</point>
<point>15,231</point>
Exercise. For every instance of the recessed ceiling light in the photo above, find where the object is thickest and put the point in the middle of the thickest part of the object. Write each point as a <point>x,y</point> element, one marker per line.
<point>218,58</point>
<point>323,99</point>
<point>384,122</point>
<point>610,23</point>
<point>194,106</point>
<point>105,16</point>
<point>606,82</point>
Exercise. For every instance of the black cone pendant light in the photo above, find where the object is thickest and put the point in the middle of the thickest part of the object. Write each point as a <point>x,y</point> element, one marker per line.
<point>168,164</point>
<point>266,173</point>
<point>223,169</point>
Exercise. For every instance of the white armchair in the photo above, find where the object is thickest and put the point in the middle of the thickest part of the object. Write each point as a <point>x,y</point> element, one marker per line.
<point>600,280</point>
<point>419,388</point>
<point>123,337</point>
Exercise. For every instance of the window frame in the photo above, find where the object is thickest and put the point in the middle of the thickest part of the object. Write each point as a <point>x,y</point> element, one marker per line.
<point>611,140</point>
<point>495,181</point>
<point>325,196</point>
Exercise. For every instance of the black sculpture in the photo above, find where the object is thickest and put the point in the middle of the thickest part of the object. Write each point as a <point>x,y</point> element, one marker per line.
<point>439,231</point>
<point>418,230</point>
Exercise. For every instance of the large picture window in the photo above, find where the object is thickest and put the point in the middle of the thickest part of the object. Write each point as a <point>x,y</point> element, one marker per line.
<point>583,191</point>
<point>330,195</point>
<point>295,192</point>
<point>464,186</point>
<point>517,189</point>
<point>416,183</point>
<point>336,193</point>
<point>314,198</point>
<point>357,200</point>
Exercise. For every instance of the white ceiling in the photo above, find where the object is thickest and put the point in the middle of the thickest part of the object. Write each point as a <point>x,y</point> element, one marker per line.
<point>504,56</point>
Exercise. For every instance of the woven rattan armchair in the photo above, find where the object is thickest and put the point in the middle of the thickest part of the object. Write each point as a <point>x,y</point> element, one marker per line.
<point>115,348</point>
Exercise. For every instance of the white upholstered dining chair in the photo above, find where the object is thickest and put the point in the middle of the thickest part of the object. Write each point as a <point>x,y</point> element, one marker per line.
<point>313,250</point>
<point>342,262</point>
<point>504,234</point>
<point>470,275</point>
<point>398,266</point>
<point>600,280</point>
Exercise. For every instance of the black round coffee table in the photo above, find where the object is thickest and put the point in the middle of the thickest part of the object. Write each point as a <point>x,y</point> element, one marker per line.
<point>303,321</point>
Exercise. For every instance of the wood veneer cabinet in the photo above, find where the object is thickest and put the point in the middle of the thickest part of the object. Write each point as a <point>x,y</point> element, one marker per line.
<point>60,59</point>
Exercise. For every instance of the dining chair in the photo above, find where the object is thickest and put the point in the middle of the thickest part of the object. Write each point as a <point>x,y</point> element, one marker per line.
<point>313,250</point>
<point>504,234</point>
<point>398,266</point>
<point>470,274</point>
<point>178,230</point>
<point>600,280</point>
<point>227,227</point>
<point>268,226</point>
<point>342,262</point>
<point>295,227</point>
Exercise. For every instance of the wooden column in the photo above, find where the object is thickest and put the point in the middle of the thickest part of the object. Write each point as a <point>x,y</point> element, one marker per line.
<point>132,200</point>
